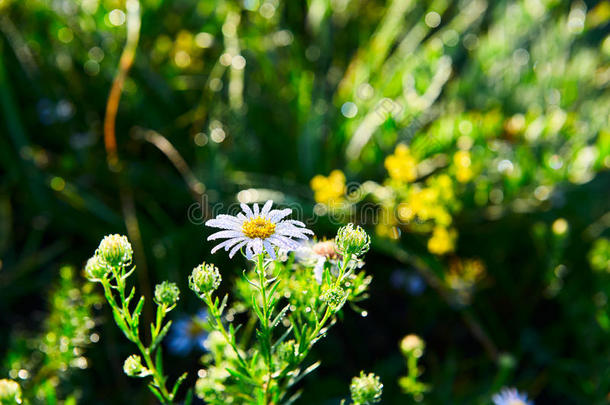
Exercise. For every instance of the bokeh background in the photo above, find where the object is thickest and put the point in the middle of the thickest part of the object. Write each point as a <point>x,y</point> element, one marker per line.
<point>471,138</point>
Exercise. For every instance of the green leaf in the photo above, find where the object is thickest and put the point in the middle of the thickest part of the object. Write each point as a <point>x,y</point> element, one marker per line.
<point>223,304</point>
<point>120,321</point>
<point>307,371</point>
<point>136,314</point>
<point>262,339</point>
<point>130,296</point>
<point>157,393</point>
<point>281,339</point>
<point>178,383</point>
<point>279,316</point>
<point>274,287</point>
<point>240,376</point>
<point>257,310</point>
<point>160,336</point>
<point>293,398</point>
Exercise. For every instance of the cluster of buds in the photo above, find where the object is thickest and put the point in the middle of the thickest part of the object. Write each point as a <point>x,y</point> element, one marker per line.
<point>334,297</point>
<point>114,251</point>
<point>366,389</point>
<point>167,293</point>
<point>352,240</point>
<point>133,367</point>
<point>95,269</point>
<point>204,279</point>
<point>10,392</point>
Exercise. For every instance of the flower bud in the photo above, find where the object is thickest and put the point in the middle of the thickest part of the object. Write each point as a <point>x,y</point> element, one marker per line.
<point>352,240</point>
<point>167,293</point>
<point>115,250</point>
<point>287,351</point>
<point>133,367</point>
<point>334,297</point>
<point>366,389</point>
<point>95,269</point>
<point>10,392</point>
<point>205,278</point>
<point>412,345</point>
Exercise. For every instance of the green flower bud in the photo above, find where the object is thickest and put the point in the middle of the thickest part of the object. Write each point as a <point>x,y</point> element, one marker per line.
<point>352,241</point>
<point>10,392</point>
<point>334,297</point>
<point>366,389</point>
<point>167,293</point>
<point>95,269</point>
<point>133,367</point>
<point>412,345</point>
<point>205,278</point>
<point>287,351</point>
<point>115,250</point>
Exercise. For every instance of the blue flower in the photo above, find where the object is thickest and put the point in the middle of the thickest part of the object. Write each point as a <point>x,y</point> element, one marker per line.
<point>187,333</point>
<point>510,396</point>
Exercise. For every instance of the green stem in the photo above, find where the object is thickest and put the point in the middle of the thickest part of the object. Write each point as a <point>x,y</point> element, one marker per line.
<point>134,334</point>
<point>207,299</point>
<point>265,322</point>
<point>327,312</point>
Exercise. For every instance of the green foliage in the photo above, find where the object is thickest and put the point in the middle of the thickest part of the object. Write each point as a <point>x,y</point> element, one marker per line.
<point>115,252</point>
<point>291,311</point>
<point>44,363</point>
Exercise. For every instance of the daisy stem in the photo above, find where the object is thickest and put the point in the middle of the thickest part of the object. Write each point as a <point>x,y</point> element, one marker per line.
<point>265,323</point>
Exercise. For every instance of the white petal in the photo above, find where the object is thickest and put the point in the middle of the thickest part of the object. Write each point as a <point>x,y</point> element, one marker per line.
<point>227,243</point>
<point>249,253</point>
<point>269,249</point>
<point>292,231</point>
<point>276,215</point>
<point>283,242</point>
<point>257,246</point>
<point>225,234</point>
<point>256,211</point>
<point>247,210</point>
<point>293,222</point>
<point>266,208</point>
<point>236,248</point>
<point>318,270</point>
<point>223,223</point>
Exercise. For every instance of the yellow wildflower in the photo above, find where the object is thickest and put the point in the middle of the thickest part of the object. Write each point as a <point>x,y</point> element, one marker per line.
<point>401,166</point>
<point>442,240</point>
<point>329,190</point>
<point>463,169</point>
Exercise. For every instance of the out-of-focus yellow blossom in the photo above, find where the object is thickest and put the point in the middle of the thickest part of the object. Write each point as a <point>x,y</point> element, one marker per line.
<point>329,190</point>
<point>463,275</point>
<point>463,169</point>
<point>386,223</point>
<point>442,240</point>
<point>444,185</point>
<point>424,204</point>
<point>402,166</point>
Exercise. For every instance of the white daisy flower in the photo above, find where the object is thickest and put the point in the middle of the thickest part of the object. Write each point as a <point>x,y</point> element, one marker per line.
<point>258,231</point>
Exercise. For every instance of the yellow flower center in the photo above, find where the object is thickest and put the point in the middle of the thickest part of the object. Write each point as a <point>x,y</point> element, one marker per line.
<point>515,402</point>
<point>258,228</point>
